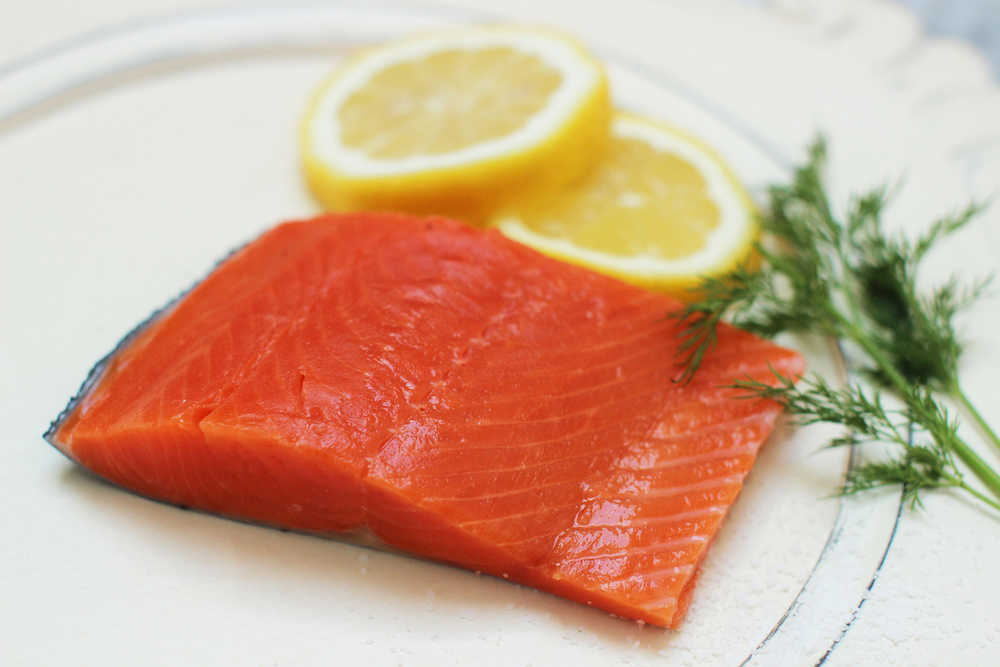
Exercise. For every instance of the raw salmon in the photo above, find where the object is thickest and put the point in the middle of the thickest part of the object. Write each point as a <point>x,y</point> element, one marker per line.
<point>459,395</point>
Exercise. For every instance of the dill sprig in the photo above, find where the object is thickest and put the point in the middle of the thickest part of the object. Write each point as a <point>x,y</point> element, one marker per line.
<point>852,280</point>
<point>917,429</point>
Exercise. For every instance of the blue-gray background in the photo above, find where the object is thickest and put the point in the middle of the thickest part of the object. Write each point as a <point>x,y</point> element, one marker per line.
<point>975,21</point>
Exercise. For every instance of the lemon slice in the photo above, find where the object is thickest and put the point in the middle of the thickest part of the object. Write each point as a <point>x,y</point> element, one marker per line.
<point>455,122</point>
<point>660,209</point>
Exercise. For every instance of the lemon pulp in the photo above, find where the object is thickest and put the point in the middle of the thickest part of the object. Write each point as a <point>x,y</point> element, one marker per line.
<point>660,209</point>
<point>429,108</point>
<point>455,123</point>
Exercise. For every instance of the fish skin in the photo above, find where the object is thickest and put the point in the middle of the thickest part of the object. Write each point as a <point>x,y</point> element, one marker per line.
<point>459,395</point>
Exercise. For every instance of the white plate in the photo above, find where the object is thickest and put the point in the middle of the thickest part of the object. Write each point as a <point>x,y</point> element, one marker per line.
<point>134,158</point>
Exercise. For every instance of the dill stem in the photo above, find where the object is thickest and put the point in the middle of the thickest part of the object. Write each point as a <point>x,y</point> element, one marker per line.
<point>981,468</point>
<point>857,334</point>
<point>976,415</point>
<point>992,503</point>
<point>983,471</point>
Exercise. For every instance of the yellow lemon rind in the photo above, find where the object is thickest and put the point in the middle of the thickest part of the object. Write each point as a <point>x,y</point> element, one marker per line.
<point>473,189</point>
<point>654,273</point>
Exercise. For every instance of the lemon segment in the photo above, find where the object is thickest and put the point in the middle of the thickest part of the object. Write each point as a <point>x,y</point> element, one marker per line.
<point>455,122</point>
<point>428,113</point>
<point>660,209</point>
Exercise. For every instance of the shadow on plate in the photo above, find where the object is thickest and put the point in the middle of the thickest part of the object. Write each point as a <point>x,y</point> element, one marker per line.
<point>407,583</point>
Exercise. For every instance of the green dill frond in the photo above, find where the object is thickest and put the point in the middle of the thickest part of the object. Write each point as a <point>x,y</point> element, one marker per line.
<point>916,331</point>
<point>943,227</point>
<point>732,295</point>
<point>917,469</point>
<point>850,279</point>
<point>812,400</point>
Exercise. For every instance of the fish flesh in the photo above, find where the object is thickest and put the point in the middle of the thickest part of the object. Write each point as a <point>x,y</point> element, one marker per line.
<point>459,395</point>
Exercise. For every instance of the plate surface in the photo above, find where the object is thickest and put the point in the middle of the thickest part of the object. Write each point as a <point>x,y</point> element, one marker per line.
<point>142,155</point>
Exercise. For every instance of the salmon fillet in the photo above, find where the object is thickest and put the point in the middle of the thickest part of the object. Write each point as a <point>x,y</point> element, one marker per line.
<point>459,395</point>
